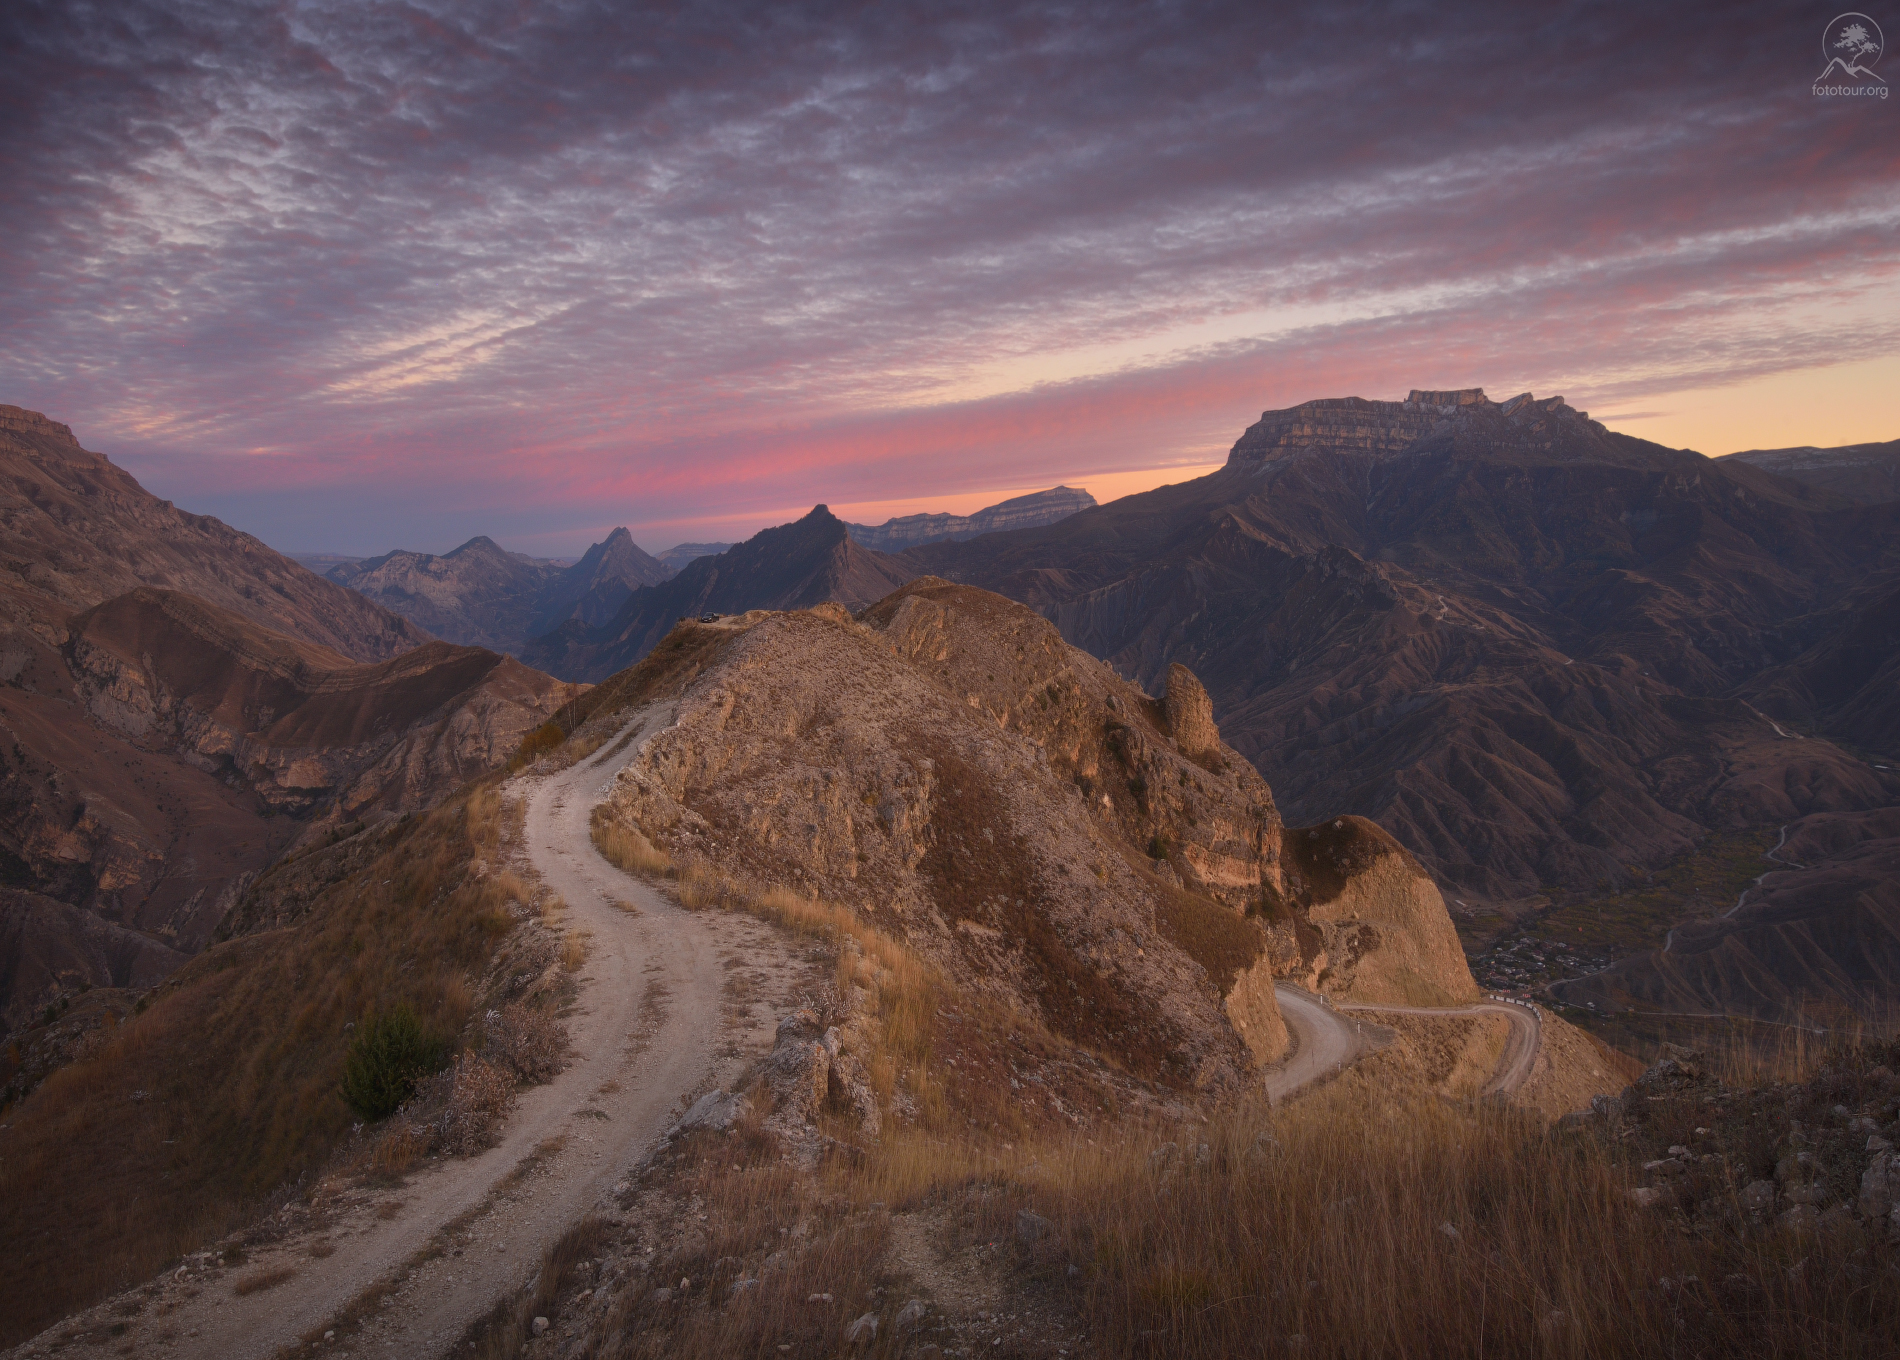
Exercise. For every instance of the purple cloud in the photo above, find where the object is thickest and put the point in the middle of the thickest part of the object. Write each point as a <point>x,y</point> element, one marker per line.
<point>534,270</point>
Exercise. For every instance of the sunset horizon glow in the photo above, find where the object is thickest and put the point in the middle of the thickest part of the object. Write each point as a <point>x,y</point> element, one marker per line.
<point>357,278</point>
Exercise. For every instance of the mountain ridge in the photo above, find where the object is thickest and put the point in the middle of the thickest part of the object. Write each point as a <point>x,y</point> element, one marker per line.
<point>1020,512</point>
<point>481,595</point>
<point>791,566</point>
<point>1534,650</point>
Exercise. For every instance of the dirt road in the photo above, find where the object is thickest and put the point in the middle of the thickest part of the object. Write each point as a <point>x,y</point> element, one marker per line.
<point>405,1271</point>
<point>1325,1040</point>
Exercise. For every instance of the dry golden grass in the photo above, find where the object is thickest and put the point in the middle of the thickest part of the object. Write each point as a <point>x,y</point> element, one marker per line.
<point>625,847</point>
<point>226,1088</point>
<point>573,952</point>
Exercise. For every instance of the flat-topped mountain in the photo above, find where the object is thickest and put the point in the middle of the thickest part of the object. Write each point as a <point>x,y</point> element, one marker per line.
<point>1865,473</point>
<point>1534,650</point>
<point>482,595</point>
<point>792,566</point>
<point>1020,512</point>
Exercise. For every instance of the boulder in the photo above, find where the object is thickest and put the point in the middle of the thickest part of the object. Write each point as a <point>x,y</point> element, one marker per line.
<point>1190,713</point>
<point>716,1111</point>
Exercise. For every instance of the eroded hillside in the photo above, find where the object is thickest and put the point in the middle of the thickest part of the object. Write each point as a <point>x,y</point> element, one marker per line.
<point>947,766</point>
<point>178,706</point>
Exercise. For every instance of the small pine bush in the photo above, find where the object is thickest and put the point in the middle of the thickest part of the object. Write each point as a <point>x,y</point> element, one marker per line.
<point>390,1054</point>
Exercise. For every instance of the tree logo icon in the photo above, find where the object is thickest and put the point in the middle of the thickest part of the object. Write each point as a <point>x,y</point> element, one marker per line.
<point>1852,43</point>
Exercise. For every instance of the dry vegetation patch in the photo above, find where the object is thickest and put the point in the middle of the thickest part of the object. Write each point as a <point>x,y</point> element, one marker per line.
<point>222,1097</point>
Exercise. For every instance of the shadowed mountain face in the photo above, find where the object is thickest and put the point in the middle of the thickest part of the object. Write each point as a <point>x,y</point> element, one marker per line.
<point>1867,474</point>
<point>793,566</point>
<point>1514,639</point>
<point>1021,512</point>
<point>481,595</point>
<point>179,705</point>
<point>593,589</point>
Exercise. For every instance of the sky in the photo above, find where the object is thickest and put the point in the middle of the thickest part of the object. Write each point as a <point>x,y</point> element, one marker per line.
<point>361,276</point>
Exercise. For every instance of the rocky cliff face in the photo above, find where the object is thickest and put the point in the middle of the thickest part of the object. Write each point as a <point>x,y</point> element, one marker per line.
<point>1020,512</point>
<point>304,730</point>
<point>172,749</point>
<point>947,765</point>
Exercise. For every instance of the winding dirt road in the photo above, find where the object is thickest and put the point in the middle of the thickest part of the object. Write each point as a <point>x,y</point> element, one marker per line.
<point>419,1264</point>
<point>1325,1041</point>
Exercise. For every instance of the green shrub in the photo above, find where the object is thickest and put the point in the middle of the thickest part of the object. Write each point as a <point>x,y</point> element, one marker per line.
<point>390,1054</point>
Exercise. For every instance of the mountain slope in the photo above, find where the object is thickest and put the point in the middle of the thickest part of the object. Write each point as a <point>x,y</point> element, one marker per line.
<point>173,749</point>
<point>1036,827</point>
<point>1817,940</point>
<point>479,594</point>
<point>79,530</point>
<point>1501,631</point>
<point>793,566</point>
<point>179,705</point>
<point>1021,512</point>
<point>675,558</point>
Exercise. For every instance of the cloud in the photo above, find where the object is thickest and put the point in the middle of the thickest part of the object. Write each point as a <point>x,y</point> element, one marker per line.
<point>493,265</point>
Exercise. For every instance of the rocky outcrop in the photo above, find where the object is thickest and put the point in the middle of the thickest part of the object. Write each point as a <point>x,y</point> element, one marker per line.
<point>1371,927</point>
<point>1021,512</point>
<point>1190,712</point>
<point>305,730</point>
<point>950,768</point>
